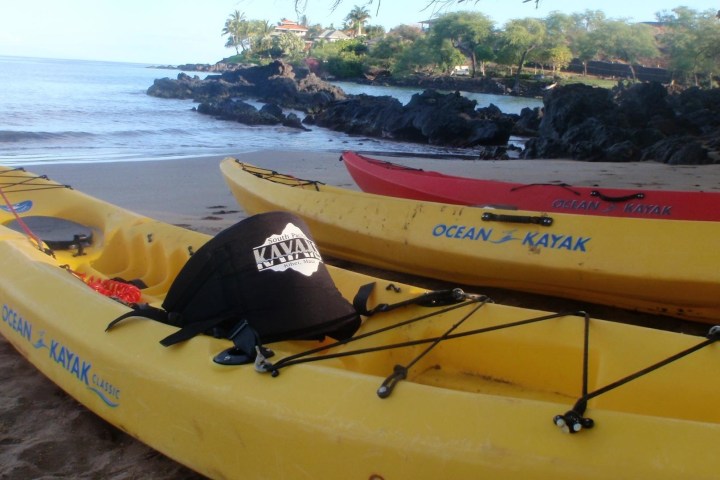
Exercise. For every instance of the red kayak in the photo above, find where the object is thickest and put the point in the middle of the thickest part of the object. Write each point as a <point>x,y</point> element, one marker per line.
<point>386,178</point>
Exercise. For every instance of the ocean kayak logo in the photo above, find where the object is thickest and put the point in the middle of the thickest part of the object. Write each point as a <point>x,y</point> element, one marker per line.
<point>289,250</point>
<point>20,207</point>
<point>631,208</point>
<point>81,369</point>
<point>535,240</point>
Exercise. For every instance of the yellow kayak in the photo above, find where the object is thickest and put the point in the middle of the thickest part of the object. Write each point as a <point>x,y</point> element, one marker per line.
<point>430,385</point>
<point>663,267</point>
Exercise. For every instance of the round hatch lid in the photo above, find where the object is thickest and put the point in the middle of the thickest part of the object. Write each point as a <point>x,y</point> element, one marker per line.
<point>57,233</point>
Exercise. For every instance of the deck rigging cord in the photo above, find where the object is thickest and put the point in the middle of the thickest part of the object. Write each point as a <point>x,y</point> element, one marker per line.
<point>262,365</point>
<point>400,371</point>
<point>433,298</point>
<point>276,177</point>
<point>116,289</point>
<point>10,207</point>
<point>571,421</point>
<point>593,193</point>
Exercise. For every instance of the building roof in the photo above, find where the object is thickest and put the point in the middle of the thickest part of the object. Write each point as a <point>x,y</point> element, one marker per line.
<point>333,35</point>
<point>290,26</point>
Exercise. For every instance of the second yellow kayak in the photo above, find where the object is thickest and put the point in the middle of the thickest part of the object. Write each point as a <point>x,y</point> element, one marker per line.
<point>664,267</point>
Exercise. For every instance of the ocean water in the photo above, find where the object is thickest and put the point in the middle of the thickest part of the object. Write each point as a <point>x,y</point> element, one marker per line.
<point>72,111</point>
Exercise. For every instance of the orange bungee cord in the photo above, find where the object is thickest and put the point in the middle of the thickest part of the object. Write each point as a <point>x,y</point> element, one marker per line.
<point>117,289</point>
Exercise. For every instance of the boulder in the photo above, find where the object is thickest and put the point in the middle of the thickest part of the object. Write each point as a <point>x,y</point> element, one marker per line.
<point>642,122</point>
<point>183,87</point>
<point>276,82</point>
<point>238,111</point>
<point>679,150</point>
<point>359,114</point>
<point>430,117</point>
<point>293,121</point>
<point>528,122</point>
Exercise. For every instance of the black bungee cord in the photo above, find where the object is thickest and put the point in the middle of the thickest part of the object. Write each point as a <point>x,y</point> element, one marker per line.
<point>573,421</point>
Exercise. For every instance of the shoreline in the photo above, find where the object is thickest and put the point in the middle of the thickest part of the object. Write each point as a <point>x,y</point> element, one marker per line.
<point>191,191</point>
<point>38,421</point>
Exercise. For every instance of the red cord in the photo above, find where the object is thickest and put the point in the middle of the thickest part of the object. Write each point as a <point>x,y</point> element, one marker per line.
<point>126,292</point>
<point>20,221</point>
<point>122,291</point>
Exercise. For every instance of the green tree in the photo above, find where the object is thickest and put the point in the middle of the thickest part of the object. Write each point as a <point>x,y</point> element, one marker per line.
<point>588,20</point>
<point>342,59</point>
<point>426,57</point>
<point>314,30</point>
<point>407,33</point>
<point>692,40</point>
<point>356,19</point>
<point>287,45</point>
<point>555,51</point>
<point>261,38</point>
<point>235,28</point>
<point>373,32</point>
<point>557,57</point>
<point>582,44</point>
<point>520,39</point>
<point>386,51</point>
<point>485,53</point>
<point>466,31</point>
<point>708,46</point>
<point>620,40</point>
<point>558,26</point>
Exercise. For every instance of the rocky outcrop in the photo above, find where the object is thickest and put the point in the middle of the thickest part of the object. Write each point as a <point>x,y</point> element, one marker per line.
<point>358,115</point>
<point>183,88</point>
<point>528,122</point>
<point>643,122</point>
<point>274,83</point>
<point>431,117</point>
<point>238,111</point>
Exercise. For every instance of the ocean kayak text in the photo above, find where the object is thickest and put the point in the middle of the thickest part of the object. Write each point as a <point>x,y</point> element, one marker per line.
<point>556,241</point>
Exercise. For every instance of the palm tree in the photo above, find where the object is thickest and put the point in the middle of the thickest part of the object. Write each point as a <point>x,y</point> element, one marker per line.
<point>356,18</point>
<point>261,36</point>
<point>234,26</point>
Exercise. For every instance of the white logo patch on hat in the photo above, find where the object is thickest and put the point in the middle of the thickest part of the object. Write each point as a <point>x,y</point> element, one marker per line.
<point>289,250</point>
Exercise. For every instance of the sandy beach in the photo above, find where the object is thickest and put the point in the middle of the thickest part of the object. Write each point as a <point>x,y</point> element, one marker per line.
<point>44,433</point>
<point>192,192</point>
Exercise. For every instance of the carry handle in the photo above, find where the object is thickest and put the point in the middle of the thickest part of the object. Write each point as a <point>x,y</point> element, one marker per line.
<point>498,217</point>
<point>624,198</point>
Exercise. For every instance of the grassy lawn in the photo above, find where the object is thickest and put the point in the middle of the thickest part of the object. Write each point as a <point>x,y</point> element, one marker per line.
<point>588,80</point>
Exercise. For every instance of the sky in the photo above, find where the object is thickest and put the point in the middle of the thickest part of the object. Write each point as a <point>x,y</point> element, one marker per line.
<point>172,32</point>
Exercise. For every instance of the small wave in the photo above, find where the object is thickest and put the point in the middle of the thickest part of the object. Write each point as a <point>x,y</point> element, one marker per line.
<point>174,132</point>
<point>11,136</point>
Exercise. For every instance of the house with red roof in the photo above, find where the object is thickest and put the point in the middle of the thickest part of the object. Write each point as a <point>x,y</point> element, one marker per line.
<point>289,26</point>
